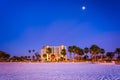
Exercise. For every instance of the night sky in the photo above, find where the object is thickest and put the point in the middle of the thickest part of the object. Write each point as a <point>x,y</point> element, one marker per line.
<point>31,24</point>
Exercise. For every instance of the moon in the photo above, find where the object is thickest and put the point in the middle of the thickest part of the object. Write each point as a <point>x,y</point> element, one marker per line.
<point>83,7</point>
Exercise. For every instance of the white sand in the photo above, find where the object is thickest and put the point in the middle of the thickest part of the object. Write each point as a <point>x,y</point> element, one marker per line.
<point>58,71</point>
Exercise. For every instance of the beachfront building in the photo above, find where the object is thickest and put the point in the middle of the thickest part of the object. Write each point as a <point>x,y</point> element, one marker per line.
<point>54,53</point>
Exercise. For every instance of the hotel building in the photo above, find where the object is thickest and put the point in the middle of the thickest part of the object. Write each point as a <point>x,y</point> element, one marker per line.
<point>56,50</point>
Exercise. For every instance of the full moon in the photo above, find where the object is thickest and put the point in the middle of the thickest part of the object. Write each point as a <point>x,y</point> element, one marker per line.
<point>83,7</point>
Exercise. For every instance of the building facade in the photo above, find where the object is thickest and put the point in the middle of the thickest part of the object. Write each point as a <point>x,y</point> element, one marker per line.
<point>56,50</point>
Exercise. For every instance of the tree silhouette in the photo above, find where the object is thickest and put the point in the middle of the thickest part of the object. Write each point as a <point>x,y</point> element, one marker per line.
<point>70,50</point>
<point>94,49</point>
<point>118,52</point>
<point>110,55</point>
<point>86,50</point>
<point>48,51</point>
<point>63,53</point>
<point>4,56</point>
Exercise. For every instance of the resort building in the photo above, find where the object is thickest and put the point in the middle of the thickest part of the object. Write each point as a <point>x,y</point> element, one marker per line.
<point>54,50</point>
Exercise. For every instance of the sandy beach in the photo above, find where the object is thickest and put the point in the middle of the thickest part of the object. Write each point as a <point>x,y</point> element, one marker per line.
<point>58,71</point>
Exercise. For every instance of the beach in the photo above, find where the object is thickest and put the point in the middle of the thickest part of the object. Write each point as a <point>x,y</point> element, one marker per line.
<point>58,71</point>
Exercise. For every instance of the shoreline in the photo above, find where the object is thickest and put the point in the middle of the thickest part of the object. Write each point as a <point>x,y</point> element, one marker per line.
<point>103,63</point>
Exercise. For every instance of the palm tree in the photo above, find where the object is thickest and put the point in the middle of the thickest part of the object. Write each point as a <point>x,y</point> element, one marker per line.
<point>80,52</point>
<point>45,56</point>
<point>86,50</point>
<point>29,51</point>
<point>33,58</point>
<point>70,50</point>
<point>4,56</point>
<point>110,55</point>
<point>63,53</point>
<point>52,57</point>
<point>32,51</point>
<point>118,52</point>
<point>48,51</point>
<point>75,50</point>
<point>94,49</point>
<point>37,55</point>
<point>102,51</point>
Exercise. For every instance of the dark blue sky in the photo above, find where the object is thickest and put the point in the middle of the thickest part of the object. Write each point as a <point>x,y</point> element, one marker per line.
<point>31,24</point>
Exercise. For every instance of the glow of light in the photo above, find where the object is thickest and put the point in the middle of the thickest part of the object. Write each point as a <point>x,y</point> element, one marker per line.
<point>83,7</point>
